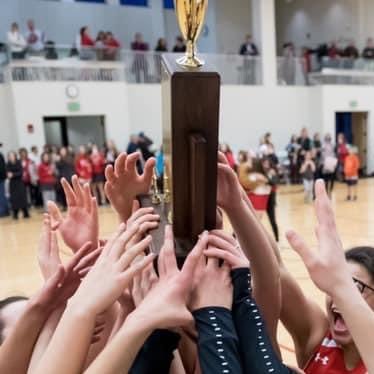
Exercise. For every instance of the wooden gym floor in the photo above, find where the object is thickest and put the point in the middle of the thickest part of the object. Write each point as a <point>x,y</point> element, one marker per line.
<point>19,274</point>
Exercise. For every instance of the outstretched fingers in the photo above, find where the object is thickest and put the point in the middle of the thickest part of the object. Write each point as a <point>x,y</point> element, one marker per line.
<point>298,244</point>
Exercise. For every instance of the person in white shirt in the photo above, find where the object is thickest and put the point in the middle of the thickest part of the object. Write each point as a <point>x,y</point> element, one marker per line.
<point>16,42</point>
<point>34,37</point>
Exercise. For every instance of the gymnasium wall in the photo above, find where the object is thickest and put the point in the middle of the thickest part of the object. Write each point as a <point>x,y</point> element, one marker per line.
<point>324,20</point>
<point>8,133</point>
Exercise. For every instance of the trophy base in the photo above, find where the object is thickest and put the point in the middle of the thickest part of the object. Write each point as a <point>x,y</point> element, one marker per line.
<point>190,62</point>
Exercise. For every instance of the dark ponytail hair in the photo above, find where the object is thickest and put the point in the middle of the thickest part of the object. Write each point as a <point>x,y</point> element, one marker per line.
<point>363,256</point>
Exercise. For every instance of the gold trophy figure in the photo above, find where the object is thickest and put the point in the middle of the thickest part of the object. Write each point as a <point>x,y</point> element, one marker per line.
<point>190,15</point>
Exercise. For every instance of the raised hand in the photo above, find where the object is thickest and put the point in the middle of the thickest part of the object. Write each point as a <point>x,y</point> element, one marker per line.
<point>229,190</point>
<point>81,223</point>
<point>214,288</point>
<point>112,272</point>
<point>329,259</point>
<point>143,283</point>
<point>224,247</point>
<point>124,183</point>
<point>165,305</point>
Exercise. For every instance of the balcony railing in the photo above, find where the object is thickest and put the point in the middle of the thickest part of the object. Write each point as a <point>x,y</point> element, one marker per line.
<point>342,77</point>
<point>291,71</point>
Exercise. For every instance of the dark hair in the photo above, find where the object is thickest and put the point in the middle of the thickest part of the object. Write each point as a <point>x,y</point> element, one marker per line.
<point>82,30</point>
<point>3,304</point>
<point>363,256</point>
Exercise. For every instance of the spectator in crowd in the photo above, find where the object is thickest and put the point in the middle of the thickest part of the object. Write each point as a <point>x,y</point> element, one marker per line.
<point>140,64</point>
<point>305,144</point>
<point>342,153</point>
<point>292,149</point>
<point>17,189</point>
<point>317,153</point>
<point>86,44</point>
<point>248,48</point>
<point>3,200</point>
<point>64,169</point>
<point>351,51</point>
<point>145,144</point>
<point>34,37</point>
<point>329,164</point>
<point>271,174</point>
<point>254,183</point>
<point>16,42</point>
<point>351,172</point>
<point>288,67</point>
<point>133,145</point>
<point>333,51</point>
<point>267,149</point>
<point>47,179</point>
<point>368,52</point>
<point>29,171</point>
<point>98,177</point>
<point>99,45</point>
<point>161,45</point>
<point>112,46</point>
<point>111,152</point>
<point>180,46</point>
<point>83,166</point>
<point>36,196</point>
<point>307,171</point>
<point>226,150</point>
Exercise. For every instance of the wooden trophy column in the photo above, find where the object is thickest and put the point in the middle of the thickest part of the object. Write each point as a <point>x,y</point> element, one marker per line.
<point>190,100</point>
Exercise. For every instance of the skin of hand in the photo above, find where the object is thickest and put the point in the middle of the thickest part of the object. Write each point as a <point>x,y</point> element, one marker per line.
<point>102,286</point>
<point>163,307</point>
<point>124,183</point>
<point>214,288</point>
<point>82,212</point>
<point>224,247</point>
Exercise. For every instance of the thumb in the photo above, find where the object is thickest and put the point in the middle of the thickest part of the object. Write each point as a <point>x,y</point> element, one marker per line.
<point>298,245</point>
<point>55,214</point>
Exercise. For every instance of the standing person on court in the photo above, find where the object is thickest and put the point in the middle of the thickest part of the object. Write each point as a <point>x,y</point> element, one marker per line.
<point>329,163</point>
<point>98,177</point>
<point>17,189</point>
<point>3,200</point>
<point>351,172</point>
<point>307,171</point>
<point>64,169</point>
<point>342,152</point>
<point>47,179</point>
<point>83,166</point>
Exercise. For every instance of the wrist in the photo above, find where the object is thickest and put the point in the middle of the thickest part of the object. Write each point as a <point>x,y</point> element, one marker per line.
<point>139,322</point>
<point>232,209</point>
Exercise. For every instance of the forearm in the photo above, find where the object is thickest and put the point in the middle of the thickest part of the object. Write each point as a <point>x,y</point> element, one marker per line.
<point>119,355</point>
<point>22,340</point>
<point>360,320</point>
<point>265,269</point>
<point>44,338</point>
<point>71,340</point>
<point>218,342</point>
<point>156,355</point>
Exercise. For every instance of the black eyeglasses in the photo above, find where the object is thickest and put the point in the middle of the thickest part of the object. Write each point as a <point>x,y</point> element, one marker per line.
<point>362,286</point>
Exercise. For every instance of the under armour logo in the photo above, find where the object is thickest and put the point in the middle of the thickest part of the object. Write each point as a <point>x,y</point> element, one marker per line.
<point>324,360</point>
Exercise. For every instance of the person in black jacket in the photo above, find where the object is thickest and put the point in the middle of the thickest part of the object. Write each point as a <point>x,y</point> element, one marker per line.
<point>65,169</point>
<point>3,200</point>
<point>17,189</point>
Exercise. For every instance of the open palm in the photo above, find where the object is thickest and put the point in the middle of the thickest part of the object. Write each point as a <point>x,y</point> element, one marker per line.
<point>81,223</point>
<point>124,183</point>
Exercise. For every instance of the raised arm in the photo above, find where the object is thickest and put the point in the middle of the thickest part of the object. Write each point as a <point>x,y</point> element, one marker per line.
<point>329,271</point>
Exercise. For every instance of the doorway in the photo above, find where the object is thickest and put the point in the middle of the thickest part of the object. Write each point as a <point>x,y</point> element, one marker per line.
<point>354,126</point>
<point>74,130</point>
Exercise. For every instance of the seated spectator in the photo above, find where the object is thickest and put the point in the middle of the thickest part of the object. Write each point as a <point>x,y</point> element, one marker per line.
<point>333,51</point>
<point>17,42</point>
<point>368,52</point>
<point>99,45</point>
<point>139,44</point>
<point>351,51</point>
<point>161,45</point>
<point>180,46</point>
<point>112,45</point>
<point>34,38</point>
<point>86,44</point>
<point>140,63</point>
<point>50,50</point>
<point>248,48</point>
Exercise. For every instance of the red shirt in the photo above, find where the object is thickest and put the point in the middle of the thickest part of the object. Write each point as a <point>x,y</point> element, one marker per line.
<point>329,359</point>
<point>46,174</point>
<point>98,163</point>
<point>342,152</point>
<point>26,176</point>
<point>87,41</point>
<point>83,168</point>
<point>112,43</point>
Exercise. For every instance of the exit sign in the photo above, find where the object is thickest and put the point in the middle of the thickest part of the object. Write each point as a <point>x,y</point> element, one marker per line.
<point>353,104</point>
<point>74,106</point>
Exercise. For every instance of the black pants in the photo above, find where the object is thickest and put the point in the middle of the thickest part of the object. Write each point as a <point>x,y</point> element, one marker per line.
<point>270,210</point>
<point>25,213</point>
<point>329,179</point>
